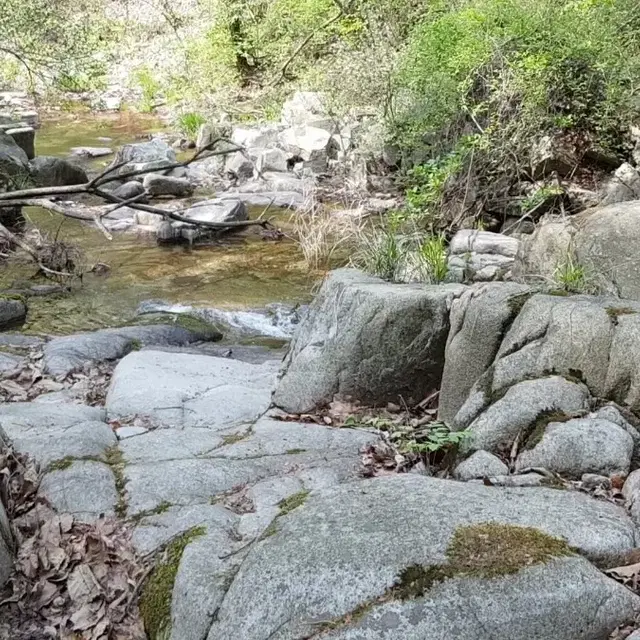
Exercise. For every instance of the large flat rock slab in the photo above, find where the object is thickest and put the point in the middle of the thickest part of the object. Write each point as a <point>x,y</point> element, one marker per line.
<point>69,353</point>
<point>155,530</point>
<point>345,548</point>
<point>566,599</point>
<point>271,437</point>
<point>185,390</point>
<point>52,432</point>
<point>170,444</point>
<point>85,488</point>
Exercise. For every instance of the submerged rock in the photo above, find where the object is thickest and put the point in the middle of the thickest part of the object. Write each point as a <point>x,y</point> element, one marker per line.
<point>49,171</point>
<point>69,353</point>
<point>275,320</point>
<point>91,152</point>
<point>13,312</point>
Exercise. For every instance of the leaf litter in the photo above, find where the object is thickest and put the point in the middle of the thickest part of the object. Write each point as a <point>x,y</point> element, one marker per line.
<point>411,439</point>
<point>28,381</point>
<point>72,580</point>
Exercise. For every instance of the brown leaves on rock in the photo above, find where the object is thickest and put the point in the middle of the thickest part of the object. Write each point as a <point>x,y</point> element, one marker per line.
<point>77,580</point>
<point>27,382</point>
<point>72,581</point>
<point>19,482</point>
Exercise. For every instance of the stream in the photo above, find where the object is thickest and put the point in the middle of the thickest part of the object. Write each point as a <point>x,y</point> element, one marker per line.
<point>242,271</point>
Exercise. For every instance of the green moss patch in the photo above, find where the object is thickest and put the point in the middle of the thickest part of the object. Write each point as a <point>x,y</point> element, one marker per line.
<point>540,426</point>
<point>490,550</point>
<point>292,502</point>
<point>156,511</point>
<point>232,438</point>
<point>191,323</point>
<point>155,601</point>
<point>60,465</point>
<point>271,530</point>
<point>487,550</point>
<point>114,458</point>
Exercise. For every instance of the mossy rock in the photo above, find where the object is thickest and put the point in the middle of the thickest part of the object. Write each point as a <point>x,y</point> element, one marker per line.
<point>191,323</point>
<point>487,550</point>
<point>155,601</point>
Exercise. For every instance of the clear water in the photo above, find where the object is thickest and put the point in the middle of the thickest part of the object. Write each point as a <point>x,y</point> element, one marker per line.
<point>243,271</point>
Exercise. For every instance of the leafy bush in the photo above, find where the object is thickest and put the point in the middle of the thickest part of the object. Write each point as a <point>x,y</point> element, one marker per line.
<point>149,88</point>
<point>511,71</point>
<point>53,43</point>
<point>189,123</point>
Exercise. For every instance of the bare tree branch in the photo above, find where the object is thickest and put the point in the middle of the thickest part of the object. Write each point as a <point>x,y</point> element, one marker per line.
<point>33,253</point>
<point>36,197</point>
<point>303,44</point>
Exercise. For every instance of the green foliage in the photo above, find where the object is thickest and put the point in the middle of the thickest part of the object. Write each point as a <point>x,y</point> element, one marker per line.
<point>570,275</point>
<point>439,437</point>
<point>427,182</point>
<point>513,71</point>
<point>54,42</point>
<point>433,254</point>
<point>380,253</point>
<point>398,248</point>
<point>430,442</point>
<point>149,87</point>
<point>189,123</point>
<point>539,197</point>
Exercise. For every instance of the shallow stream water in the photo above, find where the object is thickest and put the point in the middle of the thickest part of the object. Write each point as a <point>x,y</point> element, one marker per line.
<point>240,272</point>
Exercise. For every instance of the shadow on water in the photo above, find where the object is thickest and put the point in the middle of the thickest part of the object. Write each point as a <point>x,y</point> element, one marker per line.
<point>238,272</point>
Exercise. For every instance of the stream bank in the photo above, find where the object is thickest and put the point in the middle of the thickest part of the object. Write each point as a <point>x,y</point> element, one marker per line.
<point>238,272</point>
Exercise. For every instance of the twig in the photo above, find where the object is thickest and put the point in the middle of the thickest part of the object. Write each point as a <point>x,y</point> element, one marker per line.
<point>303,44</point>
<point>525,215</point>
<point>175,215</point>
<point>27,248</point>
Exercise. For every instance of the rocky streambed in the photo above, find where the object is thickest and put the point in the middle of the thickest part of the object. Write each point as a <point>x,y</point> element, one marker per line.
<point>233,473</point>
<point>412,461</point>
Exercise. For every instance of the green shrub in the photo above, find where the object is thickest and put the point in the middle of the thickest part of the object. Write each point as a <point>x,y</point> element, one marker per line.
<point>433,255</point>
<point>511,71</point>
<point>189,123</point>
<point>149,87</point>
<point>54,44</point>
